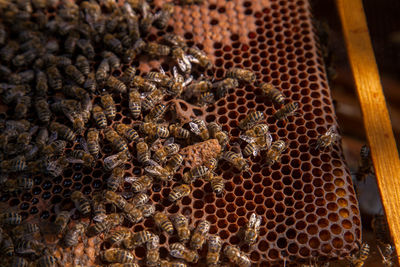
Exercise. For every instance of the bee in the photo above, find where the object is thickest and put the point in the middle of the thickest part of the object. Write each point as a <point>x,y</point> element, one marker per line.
<point>81,203</point>
<point>113,60</point>
<point>22,106</point>
<point>54,148</point>
<point>156,113</point>
<point>82,63</point>
<point>256,144</point>
<point>151,99</point>
<point>127,132</point>
<point>152,251</point>
<point>199,235</point>
<point>163,222</point>
<point>90,83</point>
<point>19,262</point>
<point>138,239</point>
<point>380,228</point>
<point>286,111</point>
<point>178,132</point>
<point>236,159</point>
<point>140,199</point>
<point>147,18</point>
<point>169,149</point>
<point>217,184</point>
<point>71,237</point>
<point>74,74</point>
<point>28,247</point>
<point>115,160</point>
<point>174,40</point>
<point>216,132</point>
<point>178,250</point>
<point>119,235</point>
<point>358,259</point>
<point>273,94</point>
<point>179,192</point>
<point>99,209</point>
<point>86,47</point>
<point>179,55</point>
<point>135,104</point>
<point>115,180</point>
<point>7,245</point>
<point>61,220</point>
<point>197,89</point>
<point>116,255</point>
<point>156,50</point>
<point>328,138</point>
<point>10,218</point>
<point>147,210</point>
<point>242,75</point>
<point>113,43</point>
<point>252,229</point>
<point>71,42</point>
<point>157,171</point>
<point>132,213</point>
<point>131,264</point>
<point>62,131</point>
<point>72,110</point>
<point>41,84</point>
<point>386,255</point>
<point>18,184</point>
<point>222,87</point>
<point>54,78</point>
<point>200,56</point>
<point>109,106</point>
<point>143,152</point>
<point>112,220</point>
<point>167,263</point>
<point>365,166</point>
<point>140,184</point>
<point>198,127</point>
<point>42,109</point>
<point>195,173</point>
<point>128,75</point>
<point>251,119</point>
<point>275,151</point>
<point>99,116</point>
<point>143,84</point>
<point>162,17</point>
<point>214,249</point>
<point>92,137</point>
<point>102,71</point>
<point>8,51</point>
<point>154,130</point>
<point>16,164</point>
<point>47,261</point>
<point>76,92</point>
<point>81,156</point>
<point>258,130</point>
<point>181,225</point>
<point>117,85</point>
<point>236,256</point>
<point>116,140</point>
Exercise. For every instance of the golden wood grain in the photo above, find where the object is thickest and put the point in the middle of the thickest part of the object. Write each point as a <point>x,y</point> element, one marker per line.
<point>375,113</point>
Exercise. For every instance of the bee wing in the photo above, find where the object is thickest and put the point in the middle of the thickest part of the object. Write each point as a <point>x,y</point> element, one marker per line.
<point>187,81</point>
<point>268,140</point>
<point>156,145</point>
<point>33,130</point>
<point>182,65</point>
<point>83,142</point>
<point>112,160</point>
<point>194,128</point>
<point>53,137</point>
<point>193,59</point>
<point>176,253</point>
<point>154,79</point>
<point>74,160</point>
<point>99,218</point>
<point>127,195</point>
<point>247,138</point>
<point>131,179</point>
<point>258,221</point>
<point>152,171</point>
<point>331,130</point>
<point>169,141</point>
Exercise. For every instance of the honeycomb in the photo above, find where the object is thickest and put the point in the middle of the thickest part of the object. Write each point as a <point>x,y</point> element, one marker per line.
<point>307,201</point>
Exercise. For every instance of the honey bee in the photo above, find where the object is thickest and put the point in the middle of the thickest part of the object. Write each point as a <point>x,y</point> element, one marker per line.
<point>42,109</point>
<point>143,152</point>
<point>116,85</point>
<point>61,220</point>
<point>151,99</point>
<point>200,56</point>
<point>236,256</point>
<point>71,42</point>
<point>8,51</point>
<point>140,184</point>
<point>167,263</point>
<point>242,75</point>
<point>183,60</point>
<point>256,144</point>
<point>153,130</point>
<point>132,213</point>
<point>328,138</point>
<point>127,132</point>
<point>169,149</point>
<point>19,262</point>
<point>71,237</point>
<point>156,50</point>
<point>10,218</point>
<point>174,40</point>
<point>111,221</point>
<point>128,74</point>
<point>236,159</point>
<point>7,245</point>
<point>47,261</point>
<point>81,156</point>
<point>99,116</point>
<point>113,59</point>
<point>251,119</point>
<point>258,130</point>
<point>74,74</point>
<point>72,110</point>
<point>365,166</point>
<point>131,264</point>
<point>181,225</point>
<point>54,78</point>
<point>54,148</point>
<point>90,83</point>
<point>163,222</point>
<point>92,137</point>
<point>222,87</point>
<point>116,178</point>
<point>26,231</point>
<point>99,209</point>
<point>147,210</point>
<point>109,106</point>
<point>152,251</point>
<point>41,84</point>
<point>162,17</point>
<point>82,204</point>
<point>143,84</point>
<point>147,18</point>
<point>198,127</point>
<point>135,104</point>
<point>179,192</point>
<point>22,106</point>
<point>358,259</point>
<point>178,132</point>
<point>138,239</point>
<point>62,131</point>
<point>86,47</point>
<point>216,132</point>
<point>195,173</point>
<point>381,229</point>
<point>179,251</point>
<point>217,184</point>
<point>116,255</point>
<point>82,64</point>
<point>140,199</point>
<point>214,249</point>
<point>275,151</point>
<point>17,185</point>
<point>102,71</point>
<point>273,94</point>
<point>199,235</point>
<point>116,140</point>
<point>75,92</point>
<point>286,111</point>
<point>156,113</point>
<point>252,229</point>
<point>197,89</point>
<point>119,235</point>
<point>157,171</point>
<point>16,164</point>
<point>115,160</point>
<point>386,255</point>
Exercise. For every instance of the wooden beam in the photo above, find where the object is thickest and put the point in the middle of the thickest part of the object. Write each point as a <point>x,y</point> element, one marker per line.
<point>373,106</point>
